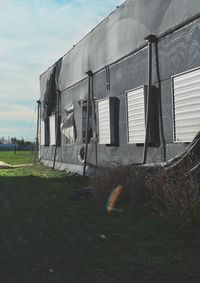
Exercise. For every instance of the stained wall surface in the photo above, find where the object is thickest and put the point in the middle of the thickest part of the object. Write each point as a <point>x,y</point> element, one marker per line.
<point>117,36</point>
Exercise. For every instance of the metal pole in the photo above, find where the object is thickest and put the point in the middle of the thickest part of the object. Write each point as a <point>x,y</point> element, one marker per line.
<point>37,132</point>
<point>160,103</point>
<point>57,130</point>
<point>95,121</point>
<point>151,39</point>
<point>90,74</point>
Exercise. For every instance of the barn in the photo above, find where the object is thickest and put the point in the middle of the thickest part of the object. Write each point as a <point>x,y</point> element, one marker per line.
<point>128,92</point>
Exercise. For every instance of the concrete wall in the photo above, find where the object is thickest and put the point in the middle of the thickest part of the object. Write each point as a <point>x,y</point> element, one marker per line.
<point>120,33</point>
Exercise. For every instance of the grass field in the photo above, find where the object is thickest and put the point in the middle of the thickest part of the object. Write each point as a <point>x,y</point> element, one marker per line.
<point>48,236</point>
<point>19,157</point>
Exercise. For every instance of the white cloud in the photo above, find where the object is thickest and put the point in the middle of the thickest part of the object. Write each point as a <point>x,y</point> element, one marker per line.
<point>35,34</point>
<point>16,112</point>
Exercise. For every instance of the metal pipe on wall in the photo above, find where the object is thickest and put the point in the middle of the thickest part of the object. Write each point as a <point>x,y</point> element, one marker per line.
<point>37,131</point>
<point>57,130</point>
<point>160,102</point>
<point>94,115</point>
<point>151,39</point>
<point>90,75</point>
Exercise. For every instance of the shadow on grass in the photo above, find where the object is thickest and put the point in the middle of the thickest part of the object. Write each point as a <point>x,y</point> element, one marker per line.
<point>46,236</point>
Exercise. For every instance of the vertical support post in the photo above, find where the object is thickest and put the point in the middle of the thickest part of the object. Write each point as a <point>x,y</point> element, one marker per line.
<point>57,118</point>
<point>160,103</point>
<point>90,74</point>
<point>94,120</point>
<point>151,39</point>
<point>37,131</point>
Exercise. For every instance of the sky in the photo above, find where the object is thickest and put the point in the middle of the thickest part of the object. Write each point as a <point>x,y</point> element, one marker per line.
<point>34,34</point>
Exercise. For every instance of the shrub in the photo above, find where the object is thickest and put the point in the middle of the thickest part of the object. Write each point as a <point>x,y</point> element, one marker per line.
<point>130,177</point>
<point>175,198</point>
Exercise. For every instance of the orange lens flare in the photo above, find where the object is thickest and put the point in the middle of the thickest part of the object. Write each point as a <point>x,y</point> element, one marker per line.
<point>114,196</point>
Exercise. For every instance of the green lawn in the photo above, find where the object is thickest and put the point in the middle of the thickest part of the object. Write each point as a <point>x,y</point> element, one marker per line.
<point>48,236</point>
<point>17,158</point>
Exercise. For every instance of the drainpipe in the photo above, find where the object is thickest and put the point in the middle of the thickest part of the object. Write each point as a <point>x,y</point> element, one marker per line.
<point>160,103</point>
<point>94,119</point>
<point>90,75</point>
<point>37,131</point>
<point>151,39</point>
<point>57,130</point>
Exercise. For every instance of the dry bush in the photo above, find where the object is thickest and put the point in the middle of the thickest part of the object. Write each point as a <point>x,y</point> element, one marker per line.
<point>175,198</point>
<point>132,180</point>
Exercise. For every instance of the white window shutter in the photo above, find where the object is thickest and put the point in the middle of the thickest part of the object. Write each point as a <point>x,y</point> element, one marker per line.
<point>186,105</point>
<point>104,121</point>
<point>52,128</point>
<point>136,115</point>
<point>42,133</point>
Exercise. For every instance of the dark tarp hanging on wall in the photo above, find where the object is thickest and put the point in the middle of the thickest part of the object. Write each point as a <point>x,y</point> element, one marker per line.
<point>52,88</point>
<point>50,95</point>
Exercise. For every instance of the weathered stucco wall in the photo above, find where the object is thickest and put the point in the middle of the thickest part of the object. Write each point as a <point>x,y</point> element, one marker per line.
<point>119,34</point>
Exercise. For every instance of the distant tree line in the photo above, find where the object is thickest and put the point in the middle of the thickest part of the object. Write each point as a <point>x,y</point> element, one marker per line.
<point>21,141</point>
<point>14,140</point>
<point>2,140</point>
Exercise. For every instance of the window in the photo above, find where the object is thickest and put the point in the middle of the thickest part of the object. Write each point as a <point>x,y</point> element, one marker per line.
<point>108,121</point>
<point>84,122</point>
<point>104,121</point>
<point>186,105</point>
<point>136,115</point>
<point>52,130</point>
<point>42,133</point>
<point>68,126</point>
